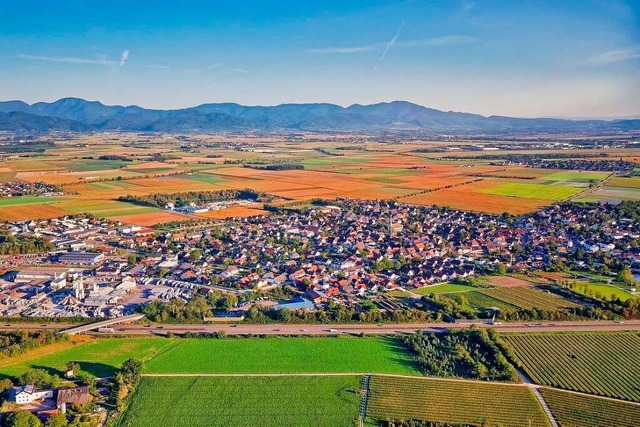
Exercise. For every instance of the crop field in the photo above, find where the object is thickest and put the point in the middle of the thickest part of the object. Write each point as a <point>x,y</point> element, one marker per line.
<point>601,364</point>
<point>377,171</point>
<point>481,300</point>
<point>580,176</point>
<point>508,282</point>
<point>528,298</point>
<point>15,201</point>
<point>472,198</point>
<point>445,288</point>
<point>100,357</point>
<point>453,402</point>
<point>532,191</point>
<point>245,401</point>
<point>572,409</point>
<point>624,182</point>
<point>284,355</point>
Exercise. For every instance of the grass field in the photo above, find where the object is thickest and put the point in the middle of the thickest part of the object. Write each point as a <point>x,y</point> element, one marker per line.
<point>571,409</point>
<point>14,201</point>
<point>453,402</point>
<point>608,290</point>
<point>284,355</point>
<point>532,191</point>
<point>100,357</point>
<point>601,364</point>
<point>245,401</point>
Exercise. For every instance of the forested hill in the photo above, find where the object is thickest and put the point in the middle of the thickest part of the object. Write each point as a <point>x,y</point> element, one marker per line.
<point>74,114</point>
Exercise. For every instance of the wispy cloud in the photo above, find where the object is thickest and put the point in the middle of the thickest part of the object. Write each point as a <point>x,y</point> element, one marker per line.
<point>240,70</point>
<point>617,55</point>
<point>391,42</point>
<point>98,60</point>
<point>467,6</point>
<point>123,57</point>
<point>384,46</point>
<point>352,49</point>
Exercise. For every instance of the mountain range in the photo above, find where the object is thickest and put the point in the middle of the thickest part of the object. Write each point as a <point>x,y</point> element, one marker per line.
<point>75,114</point>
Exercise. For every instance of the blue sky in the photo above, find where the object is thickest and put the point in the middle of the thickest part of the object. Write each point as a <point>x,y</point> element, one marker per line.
<point>577,58</point>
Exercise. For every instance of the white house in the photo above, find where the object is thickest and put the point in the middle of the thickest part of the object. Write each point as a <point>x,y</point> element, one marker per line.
<point>26,394</point>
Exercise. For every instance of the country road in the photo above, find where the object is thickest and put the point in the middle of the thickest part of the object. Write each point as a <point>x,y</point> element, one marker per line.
<point>371,329</point>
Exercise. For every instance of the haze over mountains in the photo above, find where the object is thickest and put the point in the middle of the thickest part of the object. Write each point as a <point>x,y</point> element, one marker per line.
<point>74,114</point>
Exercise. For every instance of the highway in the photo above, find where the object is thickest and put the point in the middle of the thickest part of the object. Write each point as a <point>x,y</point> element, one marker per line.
<point>288,329</point>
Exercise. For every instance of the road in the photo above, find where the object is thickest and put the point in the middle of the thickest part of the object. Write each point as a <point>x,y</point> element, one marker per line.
<point>278,329</point>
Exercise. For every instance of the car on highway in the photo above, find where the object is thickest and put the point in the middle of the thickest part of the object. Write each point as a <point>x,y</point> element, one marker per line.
<point>333,331</point>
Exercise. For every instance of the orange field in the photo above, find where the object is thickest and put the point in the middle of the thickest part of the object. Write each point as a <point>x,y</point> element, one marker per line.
<point>508,282</point>
<point>463,198</point>
<point>30,211</point>
<point>235,211</point>
<point>151,219</point>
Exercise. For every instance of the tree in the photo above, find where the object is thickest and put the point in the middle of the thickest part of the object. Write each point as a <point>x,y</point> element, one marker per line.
<point>625,276</point>
<point>39,378</point>
<point>501,269</point>
<point>73,368</point>
<point>132,259</point>
<point>195,255</point>
<point>23,419</point>
<point>131,370</point>
<point>5,385</point>
<point>57,420</point>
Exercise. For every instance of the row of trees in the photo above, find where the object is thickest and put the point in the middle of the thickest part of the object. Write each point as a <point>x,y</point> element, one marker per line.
<point>19,341</point>
<point>471,353</point>
<point>160,200</point>
<point>14,245</point>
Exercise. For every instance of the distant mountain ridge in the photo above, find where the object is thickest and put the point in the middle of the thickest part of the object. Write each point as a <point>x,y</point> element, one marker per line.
<point>75,114</point>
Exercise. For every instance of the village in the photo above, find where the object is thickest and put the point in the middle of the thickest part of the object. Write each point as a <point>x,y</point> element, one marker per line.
<point>341,253</point>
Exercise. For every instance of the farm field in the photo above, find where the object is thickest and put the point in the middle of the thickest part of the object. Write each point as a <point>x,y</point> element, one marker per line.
<point>580,176</point>
<point>284,355</point>
<point>245,401</point>
<point>532,191</point>
<point>480,300</point>
<point>377,171</point>
<point>600,364</point>
<point>444,288</point>
<point>527,298</point>
<point>571,409</point>
<point>453,402</point>
<point>99,357</point>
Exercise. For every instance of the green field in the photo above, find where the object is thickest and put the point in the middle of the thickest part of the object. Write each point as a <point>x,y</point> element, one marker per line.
<point>245,401</point>
<point>14,201</point>
<point>85,165</point>
<point>445,288</point>
<point>99,357</point>
<point>480,300</point>
<point>608,290</point>
<point>453,402</point>
<point>571,409</point>
<point>206,178</point>
<point>284,355</point>
<point>601,364</point>
<point>577,176</point>
<point>532,191</point>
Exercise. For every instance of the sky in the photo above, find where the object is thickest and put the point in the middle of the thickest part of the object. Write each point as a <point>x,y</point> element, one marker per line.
<point>528,58</point>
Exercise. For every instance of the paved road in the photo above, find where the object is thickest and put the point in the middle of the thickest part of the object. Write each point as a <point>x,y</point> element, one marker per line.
<point>275,329</point>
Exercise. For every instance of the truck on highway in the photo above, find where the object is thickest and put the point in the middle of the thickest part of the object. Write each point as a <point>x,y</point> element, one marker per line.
<point>106,330</point>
